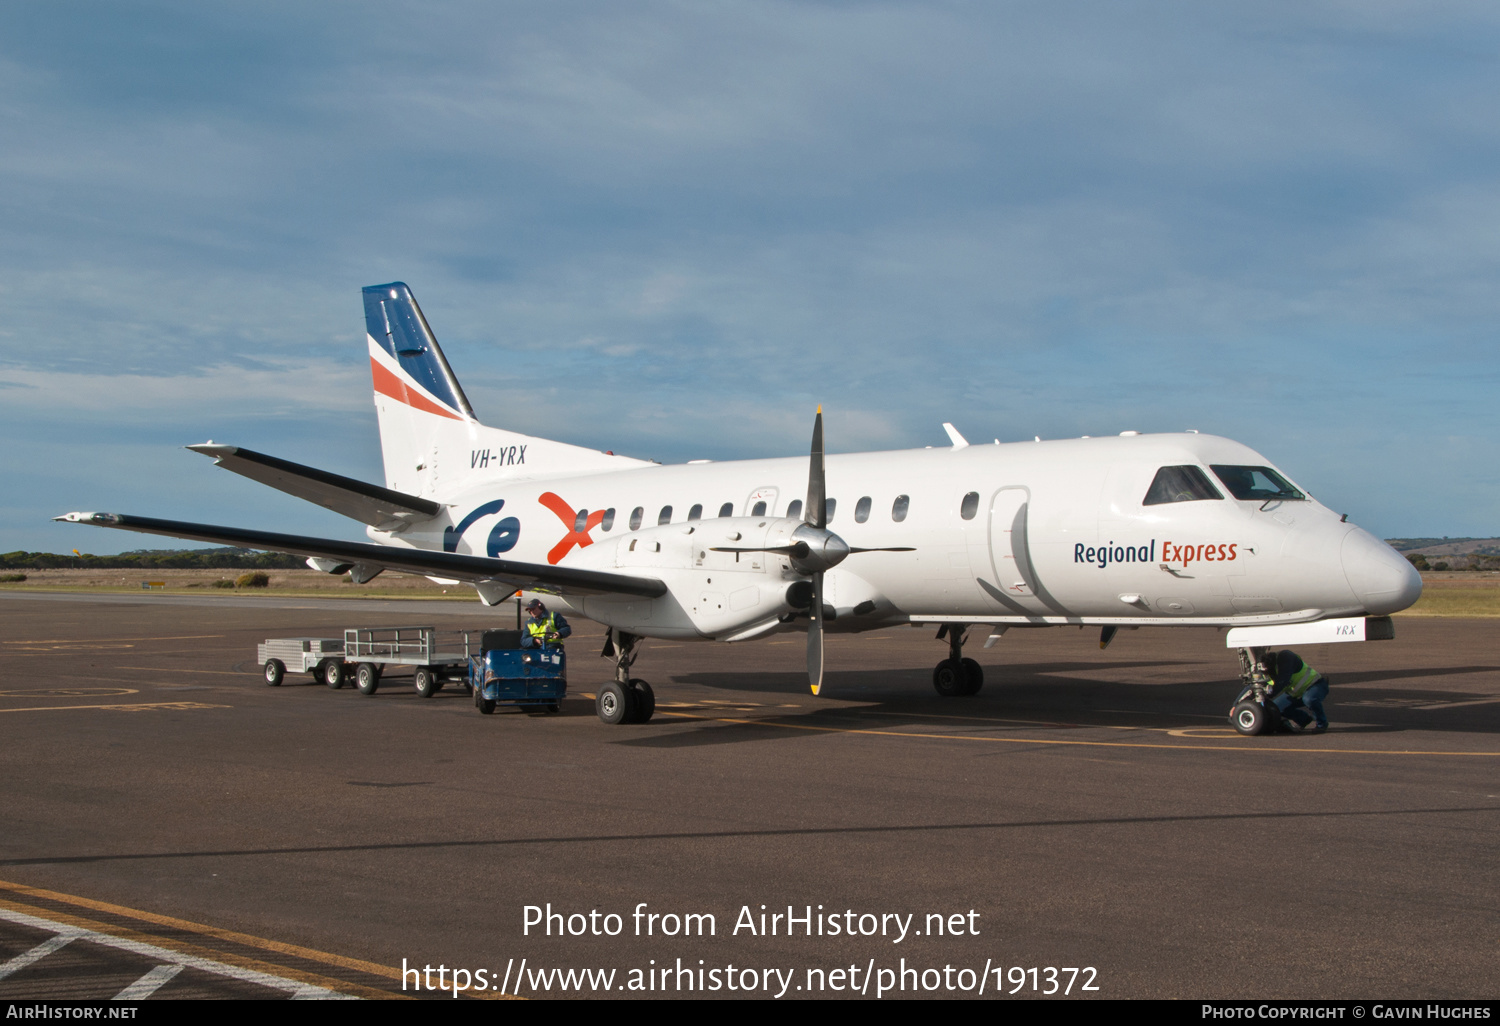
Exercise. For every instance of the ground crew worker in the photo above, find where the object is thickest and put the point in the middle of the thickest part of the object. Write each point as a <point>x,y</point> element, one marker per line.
<point>544,627</point>
<point>1295,685</point>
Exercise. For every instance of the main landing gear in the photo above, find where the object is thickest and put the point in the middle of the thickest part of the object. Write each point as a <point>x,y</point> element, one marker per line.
<point>956,675</point>
<point>625,699</point>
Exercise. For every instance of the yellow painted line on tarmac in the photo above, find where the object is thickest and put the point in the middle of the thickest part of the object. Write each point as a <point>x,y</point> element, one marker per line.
<point>1247,747</point>
<point>249,940</point>
<point>121,707</point>
<point>67,692</point>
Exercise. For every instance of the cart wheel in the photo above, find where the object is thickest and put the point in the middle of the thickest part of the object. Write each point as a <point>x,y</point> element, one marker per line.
<point>973,676</point>
<point>1249,718</point>
<point>552,708</point>
<point>275,671</point>
<point>334,674</point>
<point>484,705</point>
<point>427,681</point>
<point>613,704</point>
<point>645,701</point>
<point>367,678</point>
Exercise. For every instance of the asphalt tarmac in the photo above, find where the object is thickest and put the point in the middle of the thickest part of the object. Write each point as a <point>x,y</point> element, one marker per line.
<point>173,825</point>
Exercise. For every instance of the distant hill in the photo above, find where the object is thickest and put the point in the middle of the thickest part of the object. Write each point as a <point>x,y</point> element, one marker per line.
<point>1446,546</point>
<point>184,559</point>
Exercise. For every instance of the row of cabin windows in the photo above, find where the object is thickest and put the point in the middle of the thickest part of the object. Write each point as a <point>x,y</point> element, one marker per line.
<point>899,510</point>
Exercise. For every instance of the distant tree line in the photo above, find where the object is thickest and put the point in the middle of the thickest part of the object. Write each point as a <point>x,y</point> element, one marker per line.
<point>155,559</point>
<point>1470,561</point>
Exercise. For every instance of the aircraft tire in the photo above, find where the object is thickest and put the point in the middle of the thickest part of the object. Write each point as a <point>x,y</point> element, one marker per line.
<point>614,703</point>
<point>367,678</point>
<point>334,673</point>
<point>426,680</point>
<point>948,678</point>
<point>1248,718</point>
<point>275,670</point>
<point>973,676</point>
<point>645,700</point>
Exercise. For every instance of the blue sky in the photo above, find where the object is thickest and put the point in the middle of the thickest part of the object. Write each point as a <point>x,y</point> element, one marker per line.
<point>670,229</point>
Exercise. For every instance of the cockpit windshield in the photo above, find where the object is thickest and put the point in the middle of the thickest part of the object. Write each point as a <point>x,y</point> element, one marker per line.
<point>1180,484</point>
<point>1256,483</point>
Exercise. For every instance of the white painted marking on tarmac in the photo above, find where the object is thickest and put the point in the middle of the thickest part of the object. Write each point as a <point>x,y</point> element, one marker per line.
<point>1458,705</point>
<point>38,953</point>
<point>295,987</point>
<point>149,984</point>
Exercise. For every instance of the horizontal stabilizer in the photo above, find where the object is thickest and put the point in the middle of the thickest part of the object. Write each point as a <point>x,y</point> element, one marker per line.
<point>554,580</point>
<point>381,508</point>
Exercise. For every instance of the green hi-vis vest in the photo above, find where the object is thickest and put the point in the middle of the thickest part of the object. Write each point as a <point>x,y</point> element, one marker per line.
<point>539,629</point>
<point>1301,681</point>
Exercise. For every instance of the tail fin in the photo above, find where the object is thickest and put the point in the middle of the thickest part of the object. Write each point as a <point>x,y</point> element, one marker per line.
<point>430,439</point>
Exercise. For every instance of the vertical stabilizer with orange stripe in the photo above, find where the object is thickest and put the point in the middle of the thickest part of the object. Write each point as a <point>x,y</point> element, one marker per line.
<point>432,443</point>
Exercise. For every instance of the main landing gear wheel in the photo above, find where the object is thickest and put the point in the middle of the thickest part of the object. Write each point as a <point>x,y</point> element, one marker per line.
<point>427,681</point>
<point>275,670</point>
<point>614,703</point>
<point>949,679</point>
<point>484,705</point>
<point>644,700</point>
<point>334,674</point>
<point>973,676</point>
<point>367,678</point>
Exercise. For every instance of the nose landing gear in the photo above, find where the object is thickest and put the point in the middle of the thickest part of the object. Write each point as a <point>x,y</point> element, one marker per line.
<point>1253,713</point>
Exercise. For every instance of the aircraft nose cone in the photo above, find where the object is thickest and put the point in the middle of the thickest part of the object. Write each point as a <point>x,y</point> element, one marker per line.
<point>1381,577</point>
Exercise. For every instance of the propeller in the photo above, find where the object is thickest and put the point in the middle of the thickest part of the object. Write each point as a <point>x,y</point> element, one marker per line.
<point>814,549</point>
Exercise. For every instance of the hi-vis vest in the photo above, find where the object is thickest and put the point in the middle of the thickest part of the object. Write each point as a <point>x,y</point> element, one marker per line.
<point>539,629</point>
<point>1301,681</point>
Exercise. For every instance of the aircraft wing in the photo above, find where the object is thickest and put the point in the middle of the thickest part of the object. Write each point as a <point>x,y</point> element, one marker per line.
<point>556,580</point>
<point>370,504</point>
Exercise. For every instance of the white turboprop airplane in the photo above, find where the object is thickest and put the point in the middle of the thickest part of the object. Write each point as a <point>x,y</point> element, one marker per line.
<point>1127,531</point>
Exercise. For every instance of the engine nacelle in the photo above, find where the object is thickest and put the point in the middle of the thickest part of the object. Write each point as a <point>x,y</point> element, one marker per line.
<point>722,595</point>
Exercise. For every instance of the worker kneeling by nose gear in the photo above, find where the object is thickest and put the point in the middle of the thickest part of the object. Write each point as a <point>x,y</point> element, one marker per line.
<point>544,628</point>
<point>1297,689</point>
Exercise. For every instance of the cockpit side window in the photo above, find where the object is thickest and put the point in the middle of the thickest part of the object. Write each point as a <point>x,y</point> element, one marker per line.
<point>1256,483</point>
<point>1180,484</point>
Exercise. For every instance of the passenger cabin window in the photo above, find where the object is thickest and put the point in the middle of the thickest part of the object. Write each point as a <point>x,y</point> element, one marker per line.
<point>1180,484</point>
<point>794,511</point>
<point>665,516</point>
<point>609,519</point>
<point>696,513</point>
<point>1257,483</point>
<point>899,507</point>
<point>580,521</point>
<point>726,510</point>
<point>760,509</point>
<point>636,516</point>
<point>862,510</point>
<point>970,506</point>
<point>828,508</point>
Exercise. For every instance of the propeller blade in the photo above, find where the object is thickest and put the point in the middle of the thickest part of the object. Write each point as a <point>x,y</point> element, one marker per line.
<point>816,511</point>
<point>888,548</point>
<point>815,636</point>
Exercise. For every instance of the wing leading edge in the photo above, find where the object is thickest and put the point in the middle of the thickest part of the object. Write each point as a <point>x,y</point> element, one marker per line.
<point>558,580</point>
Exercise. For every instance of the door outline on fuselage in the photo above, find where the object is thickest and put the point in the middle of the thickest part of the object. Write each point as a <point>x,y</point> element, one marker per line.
<point>1016,585</point>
